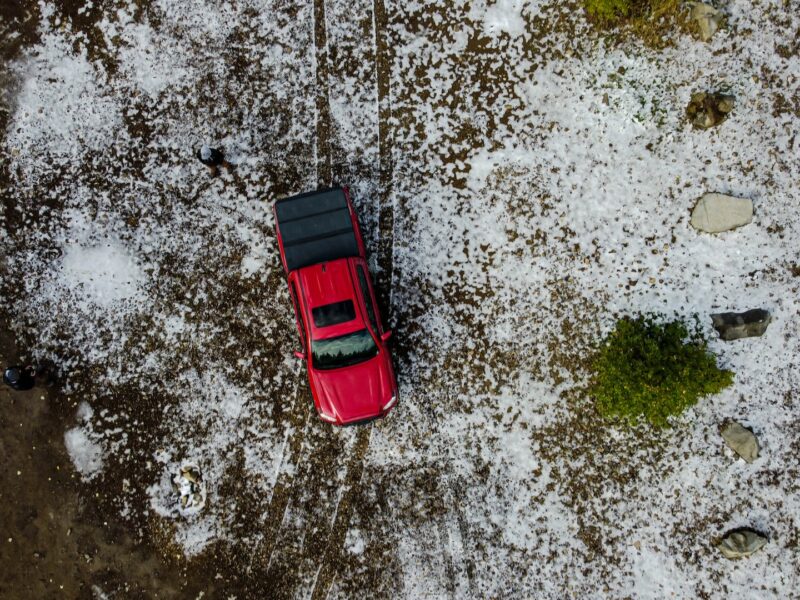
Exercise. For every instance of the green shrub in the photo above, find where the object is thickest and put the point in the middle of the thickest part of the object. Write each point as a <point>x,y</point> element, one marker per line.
<point>651,370</point>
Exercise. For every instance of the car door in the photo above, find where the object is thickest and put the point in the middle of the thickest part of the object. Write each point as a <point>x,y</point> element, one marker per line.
<point>368,296</point>
<point>298,314</point>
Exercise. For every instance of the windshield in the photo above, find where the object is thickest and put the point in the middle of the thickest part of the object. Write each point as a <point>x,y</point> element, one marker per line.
<point>343,351</point>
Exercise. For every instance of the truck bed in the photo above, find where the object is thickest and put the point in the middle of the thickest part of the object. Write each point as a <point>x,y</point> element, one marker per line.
<point>315,227</point>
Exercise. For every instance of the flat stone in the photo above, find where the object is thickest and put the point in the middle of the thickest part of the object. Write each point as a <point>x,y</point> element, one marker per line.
<point>741,440</point>
<point>715,213</point>
<point>734,326</point>
<point>741,543</point>
<point>708,20</point>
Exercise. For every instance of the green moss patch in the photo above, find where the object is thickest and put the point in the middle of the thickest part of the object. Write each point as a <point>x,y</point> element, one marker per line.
<point>651,20</point>
<point>651,370</point>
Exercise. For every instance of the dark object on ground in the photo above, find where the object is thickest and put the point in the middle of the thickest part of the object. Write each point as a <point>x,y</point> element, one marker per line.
<point>733,326</point>
<point>741,543</point>
<point>707,109</point>
<point>213,159</point>
<point>19,378</point>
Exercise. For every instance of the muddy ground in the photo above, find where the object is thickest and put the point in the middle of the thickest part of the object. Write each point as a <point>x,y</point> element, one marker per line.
<point>56,543</point>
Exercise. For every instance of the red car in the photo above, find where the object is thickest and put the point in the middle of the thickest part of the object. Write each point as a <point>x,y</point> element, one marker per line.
<point>343,339</point>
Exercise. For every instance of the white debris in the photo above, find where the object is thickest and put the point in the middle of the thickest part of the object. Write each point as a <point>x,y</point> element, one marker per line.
<point>85,450</point>
<point>191,489</point>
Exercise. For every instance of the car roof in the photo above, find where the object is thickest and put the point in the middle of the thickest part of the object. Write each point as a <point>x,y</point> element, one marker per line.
<point>315,227</point>
<point>326,283</point>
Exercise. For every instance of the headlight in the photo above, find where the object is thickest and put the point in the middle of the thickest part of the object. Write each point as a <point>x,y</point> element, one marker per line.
<point>390,403</point>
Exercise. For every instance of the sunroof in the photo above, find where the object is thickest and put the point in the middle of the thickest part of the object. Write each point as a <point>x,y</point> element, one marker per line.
<point>333,314</point>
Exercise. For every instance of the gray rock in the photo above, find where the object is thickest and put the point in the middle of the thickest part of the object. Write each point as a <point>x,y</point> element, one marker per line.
<point>734,326</point>
<point>714,213</point>
<point>740,543</point>
<point>707,109</point>
<point>741,440</point>
<point>708,20</point>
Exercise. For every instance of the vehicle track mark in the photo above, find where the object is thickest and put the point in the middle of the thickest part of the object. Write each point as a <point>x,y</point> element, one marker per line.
<point>281,491</point>
<point>351,486</point>
<point>458,569</point>
<point>323,146</point>
<point>304,534</point>
<point>383,64</point>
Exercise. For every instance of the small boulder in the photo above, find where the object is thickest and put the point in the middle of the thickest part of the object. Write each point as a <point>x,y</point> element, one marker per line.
<point>742,542</point>
<point>734,326</point>
<point>707,109</point>
<point>715,213</point>
<point>741,440</point>
<point>707,18</point>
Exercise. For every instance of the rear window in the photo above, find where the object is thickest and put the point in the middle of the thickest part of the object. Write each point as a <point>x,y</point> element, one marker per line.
<point>333,314</point>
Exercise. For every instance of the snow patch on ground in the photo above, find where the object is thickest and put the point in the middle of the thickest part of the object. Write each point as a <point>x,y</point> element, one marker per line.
<point>84,445</point>
<point>63,112</point>
<point>105,273</point>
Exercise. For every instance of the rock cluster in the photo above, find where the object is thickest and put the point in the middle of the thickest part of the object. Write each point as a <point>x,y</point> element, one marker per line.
<point>707,109</point>
<point>191,490</point>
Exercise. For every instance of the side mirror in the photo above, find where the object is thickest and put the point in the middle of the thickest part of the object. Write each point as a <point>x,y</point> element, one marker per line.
<point>386,335</point>
<point>299,355</point>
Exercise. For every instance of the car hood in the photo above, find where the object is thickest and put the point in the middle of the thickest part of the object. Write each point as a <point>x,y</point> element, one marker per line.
<point>355,392</point>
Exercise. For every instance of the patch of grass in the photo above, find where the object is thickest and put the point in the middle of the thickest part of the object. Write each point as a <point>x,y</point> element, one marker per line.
<point>650,370</point>
<point>609,11</point>
<point>650,20</point>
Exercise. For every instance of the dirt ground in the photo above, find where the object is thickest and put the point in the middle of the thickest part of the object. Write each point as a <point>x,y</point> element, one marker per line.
<point>60,541</point>
<point>55,543</point>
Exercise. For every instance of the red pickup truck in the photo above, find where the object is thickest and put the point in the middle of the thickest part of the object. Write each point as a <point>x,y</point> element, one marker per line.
<point>342,336</point>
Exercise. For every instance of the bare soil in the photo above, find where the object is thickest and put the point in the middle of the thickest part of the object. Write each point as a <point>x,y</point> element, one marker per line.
<point>56,541</point>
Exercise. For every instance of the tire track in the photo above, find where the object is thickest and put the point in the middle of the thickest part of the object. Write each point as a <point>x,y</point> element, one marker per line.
<point>331,560</point>
<point>383,63</point>
<point>453,527</point>
<point>323,146</point>
<point>282,490</point>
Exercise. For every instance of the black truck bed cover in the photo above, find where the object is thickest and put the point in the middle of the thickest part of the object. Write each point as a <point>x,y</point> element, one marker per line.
<point>315,227</point>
